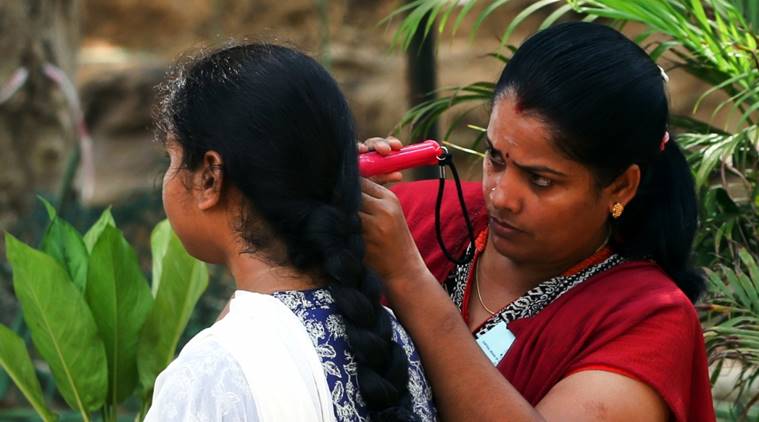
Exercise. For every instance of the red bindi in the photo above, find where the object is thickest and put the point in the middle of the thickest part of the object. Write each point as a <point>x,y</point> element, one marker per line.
<point>518,107</point>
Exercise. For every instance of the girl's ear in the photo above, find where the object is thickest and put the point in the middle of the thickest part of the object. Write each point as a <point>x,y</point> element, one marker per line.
<point>623,189</point>
<point>209,180</point>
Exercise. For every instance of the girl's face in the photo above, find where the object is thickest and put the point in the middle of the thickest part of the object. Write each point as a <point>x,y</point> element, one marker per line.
<point>180,202</point>
<point>176,194</point>
<point>202,217</point>
<point>544,208</point>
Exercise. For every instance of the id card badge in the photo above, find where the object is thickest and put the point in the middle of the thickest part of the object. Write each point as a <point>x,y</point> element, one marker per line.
<point>496,342</point>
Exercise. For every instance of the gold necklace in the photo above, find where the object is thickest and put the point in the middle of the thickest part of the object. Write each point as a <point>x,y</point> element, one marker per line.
<point>477,286</point>
<point>477,276</point>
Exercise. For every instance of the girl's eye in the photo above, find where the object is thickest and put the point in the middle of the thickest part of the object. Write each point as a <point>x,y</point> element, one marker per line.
<point>540,181</point>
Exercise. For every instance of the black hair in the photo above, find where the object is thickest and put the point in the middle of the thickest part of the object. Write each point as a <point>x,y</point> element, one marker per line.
<point>605,101</point>
<point>286,138</point>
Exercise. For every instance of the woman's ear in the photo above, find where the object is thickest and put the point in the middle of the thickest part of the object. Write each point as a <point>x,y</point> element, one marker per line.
<point>623,189</point>
<point>209,180</point>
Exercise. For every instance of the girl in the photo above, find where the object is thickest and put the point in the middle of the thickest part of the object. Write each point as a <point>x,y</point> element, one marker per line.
<point>264,180</point>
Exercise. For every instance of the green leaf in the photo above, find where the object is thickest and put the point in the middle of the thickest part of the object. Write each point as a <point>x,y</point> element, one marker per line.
<point>494,4</point>
<point>159,245</point>
<point>51,213</point>
<point>65,244</point>
<point>523,15</point>
<point>182,280</point>
<point>464,12</point>
<point>15,360</point>
<point>120,299</point>
<point>750,264</point>
<point>91,237</point>
<point>662,48</point>
<point>61,326</point>
<point>555,15</point>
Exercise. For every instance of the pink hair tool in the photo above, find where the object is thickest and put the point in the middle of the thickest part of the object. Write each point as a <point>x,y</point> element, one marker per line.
<point>427,153</point>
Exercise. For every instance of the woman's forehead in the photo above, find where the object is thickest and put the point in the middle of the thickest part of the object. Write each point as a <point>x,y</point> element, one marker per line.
<point>510,127</point>
<point>526,138</point>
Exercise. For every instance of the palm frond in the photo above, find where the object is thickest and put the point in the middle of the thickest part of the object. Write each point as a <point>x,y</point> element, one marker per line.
<point>421,117</point>
<point>731,320</point>
<point>707,151</point>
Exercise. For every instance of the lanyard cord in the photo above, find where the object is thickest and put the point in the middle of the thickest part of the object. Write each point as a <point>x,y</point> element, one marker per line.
<point>447,160</point>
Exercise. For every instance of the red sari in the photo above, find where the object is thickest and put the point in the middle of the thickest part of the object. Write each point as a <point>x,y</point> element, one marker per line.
<point>631,319</point>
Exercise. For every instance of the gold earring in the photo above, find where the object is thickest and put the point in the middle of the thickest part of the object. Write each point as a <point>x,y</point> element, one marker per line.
<point>616,210</point>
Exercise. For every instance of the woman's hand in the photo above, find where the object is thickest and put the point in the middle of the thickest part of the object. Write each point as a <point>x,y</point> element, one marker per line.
<point>382,146</point>
<point>390,248</point>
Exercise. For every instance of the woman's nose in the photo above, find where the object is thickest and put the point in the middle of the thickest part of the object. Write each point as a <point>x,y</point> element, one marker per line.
<point>506,194</point>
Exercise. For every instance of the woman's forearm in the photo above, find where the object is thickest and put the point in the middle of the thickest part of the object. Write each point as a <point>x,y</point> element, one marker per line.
<point>465,384</point>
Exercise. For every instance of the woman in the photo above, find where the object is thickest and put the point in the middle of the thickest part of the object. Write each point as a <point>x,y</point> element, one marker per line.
<point>264,180</point>
<point>579,296</point>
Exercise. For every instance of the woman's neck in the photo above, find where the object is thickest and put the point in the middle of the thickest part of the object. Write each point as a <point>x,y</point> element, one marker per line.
<point>514,278</point>
<point>252,273</point>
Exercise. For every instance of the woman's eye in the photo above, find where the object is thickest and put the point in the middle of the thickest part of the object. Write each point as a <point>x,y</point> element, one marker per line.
<point>494,159</point>
<point>540,181</point>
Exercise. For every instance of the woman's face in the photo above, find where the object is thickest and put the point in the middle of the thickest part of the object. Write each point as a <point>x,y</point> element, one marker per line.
<point>544,208</point>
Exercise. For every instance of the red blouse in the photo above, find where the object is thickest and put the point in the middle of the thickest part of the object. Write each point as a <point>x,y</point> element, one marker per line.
<point>631,319</point>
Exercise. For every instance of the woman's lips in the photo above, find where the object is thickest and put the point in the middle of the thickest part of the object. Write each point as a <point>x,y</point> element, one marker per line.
<point>502,228</point>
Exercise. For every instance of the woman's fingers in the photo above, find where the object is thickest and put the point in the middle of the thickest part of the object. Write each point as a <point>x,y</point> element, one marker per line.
<point>394,142</point>
<point>384,179</point>
<point>382,146</point>
<point>372,190</point>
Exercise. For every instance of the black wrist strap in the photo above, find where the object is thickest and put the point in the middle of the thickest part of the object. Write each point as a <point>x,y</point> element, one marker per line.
<point>447,160</point>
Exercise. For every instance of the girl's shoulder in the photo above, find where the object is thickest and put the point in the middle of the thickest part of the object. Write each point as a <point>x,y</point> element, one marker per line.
<point>181,390</point>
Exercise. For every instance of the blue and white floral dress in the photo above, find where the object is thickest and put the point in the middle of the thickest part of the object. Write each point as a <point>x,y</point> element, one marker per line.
<point>316,310</point>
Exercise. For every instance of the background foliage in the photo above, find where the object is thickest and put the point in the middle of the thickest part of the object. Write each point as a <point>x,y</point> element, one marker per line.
<point>92,317</point>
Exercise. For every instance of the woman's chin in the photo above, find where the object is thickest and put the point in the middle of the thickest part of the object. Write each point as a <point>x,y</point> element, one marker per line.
<point>508,247</point>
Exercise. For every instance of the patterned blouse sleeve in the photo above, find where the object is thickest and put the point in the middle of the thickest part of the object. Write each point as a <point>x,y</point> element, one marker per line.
<point>204,383</point>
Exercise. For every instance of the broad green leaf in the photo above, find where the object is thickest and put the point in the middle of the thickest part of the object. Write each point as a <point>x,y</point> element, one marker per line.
<point>61,326</point>
<point>120,299</point>
<point>91,237</point>
<point>159,245</point>
<point>181,281</point>
<point>15,360</point>
<point>65,244</point>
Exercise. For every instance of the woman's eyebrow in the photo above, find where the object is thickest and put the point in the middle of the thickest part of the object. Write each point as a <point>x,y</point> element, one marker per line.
<point>537,169</point>
<point>525,167</point>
